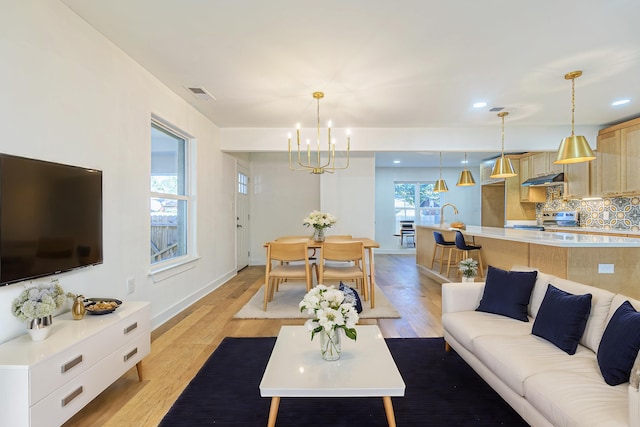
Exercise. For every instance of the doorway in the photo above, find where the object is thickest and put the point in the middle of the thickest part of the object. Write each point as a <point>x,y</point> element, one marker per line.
<point>242,218</point>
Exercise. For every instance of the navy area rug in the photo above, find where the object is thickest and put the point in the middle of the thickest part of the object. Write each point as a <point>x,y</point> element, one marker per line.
<point>441,390</point>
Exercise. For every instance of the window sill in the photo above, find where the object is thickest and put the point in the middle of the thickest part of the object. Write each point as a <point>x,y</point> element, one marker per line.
<point>168,271</point>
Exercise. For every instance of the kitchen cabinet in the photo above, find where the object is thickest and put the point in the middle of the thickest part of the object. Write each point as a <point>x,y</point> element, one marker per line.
<point>577,178</point>
<point>514,209</point>
<point>609,163</point>
<point>618,161</point>
<point>630,168</point>
<point>524,175</point>
<point>485,173</point>
<point>552,167</point>
<point>538,164</point>
<point>529,194</point>
<point>542,164</point>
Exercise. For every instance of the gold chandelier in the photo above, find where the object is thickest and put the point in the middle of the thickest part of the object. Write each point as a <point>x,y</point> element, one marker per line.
<point>465,179</point>
<point>503,167</point>
<point>321,163</point>
<point>574,148</point>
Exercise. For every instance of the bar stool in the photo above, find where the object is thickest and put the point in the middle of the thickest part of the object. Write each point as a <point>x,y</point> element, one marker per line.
<point>443,245</point>
<point>464,248</point>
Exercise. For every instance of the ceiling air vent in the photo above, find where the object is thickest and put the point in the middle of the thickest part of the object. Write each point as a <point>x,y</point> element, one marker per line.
<point>495,109</point>
<point>201,93</point>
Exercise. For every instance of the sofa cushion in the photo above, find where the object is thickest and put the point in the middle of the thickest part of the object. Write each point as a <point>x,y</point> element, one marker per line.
<point>578,399</point>
<point>620,344</point>
<point>601,301</point>
<point>514,359</point>
<point>465,326</point>
<point>562,318</point>
<point>507,293</point>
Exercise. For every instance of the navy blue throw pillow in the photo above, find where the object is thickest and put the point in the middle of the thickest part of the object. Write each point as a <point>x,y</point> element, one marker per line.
<point>350,295</point>
<point>619,345</point>
<point>562,318</point>
<point>508,293</point>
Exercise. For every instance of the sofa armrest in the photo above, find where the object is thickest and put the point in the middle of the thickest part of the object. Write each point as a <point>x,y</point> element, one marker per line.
<point>461,296</point>
<point>634,406</point>
<point>634,394</point>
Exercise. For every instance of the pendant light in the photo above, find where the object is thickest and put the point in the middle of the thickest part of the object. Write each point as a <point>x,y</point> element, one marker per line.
<point>441,186</point>
<point>466,179</point>
<point>503,167</point>
<point>574,148</point>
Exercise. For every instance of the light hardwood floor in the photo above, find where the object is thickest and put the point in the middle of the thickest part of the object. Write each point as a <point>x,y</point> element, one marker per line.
<point>181,346</point>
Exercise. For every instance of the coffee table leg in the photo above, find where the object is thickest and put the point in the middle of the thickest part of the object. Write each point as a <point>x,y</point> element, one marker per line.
<point>388,408</point>
<point>275,403</point>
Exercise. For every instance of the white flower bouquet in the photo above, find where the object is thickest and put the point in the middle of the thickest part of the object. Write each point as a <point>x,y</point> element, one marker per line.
<point>39,301</point>
<point>329,311</point>
<point>468,267</point>
<point>319,220</point>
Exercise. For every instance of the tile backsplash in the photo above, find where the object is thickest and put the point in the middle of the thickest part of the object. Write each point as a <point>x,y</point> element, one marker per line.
<point>615,213</point>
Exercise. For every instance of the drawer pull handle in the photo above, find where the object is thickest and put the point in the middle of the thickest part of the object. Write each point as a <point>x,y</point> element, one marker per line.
<point>130,328</point>
<point>70,397</point>
<point>131,354</point>
<point>67,366</point>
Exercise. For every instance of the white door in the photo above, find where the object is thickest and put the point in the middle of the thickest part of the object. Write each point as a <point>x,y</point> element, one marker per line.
<point>242,218</point>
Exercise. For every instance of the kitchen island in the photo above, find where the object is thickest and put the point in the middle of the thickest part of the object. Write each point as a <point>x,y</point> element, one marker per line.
<point>607,262</point>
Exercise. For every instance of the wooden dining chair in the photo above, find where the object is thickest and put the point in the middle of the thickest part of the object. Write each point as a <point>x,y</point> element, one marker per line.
<point>336,237</point>
<point>351,266</point>
<point>282,264</point>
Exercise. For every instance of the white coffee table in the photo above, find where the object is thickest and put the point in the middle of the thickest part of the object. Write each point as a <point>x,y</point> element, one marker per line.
<point>365,369</point>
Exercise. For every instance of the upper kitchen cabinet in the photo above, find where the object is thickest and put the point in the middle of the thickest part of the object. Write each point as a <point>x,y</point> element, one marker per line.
<point>630,168</point>
<point>619,159</point>
<point>529,194</point>
<point>486,168</point>
<point>542,164</point>
<point>577,178</point>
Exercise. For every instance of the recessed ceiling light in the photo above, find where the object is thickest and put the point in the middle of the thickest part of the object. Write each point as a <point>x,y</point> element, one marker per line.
<point>479,104</point>
<point>620,102</point>
<point>464,162</point>
<point>396,161</point>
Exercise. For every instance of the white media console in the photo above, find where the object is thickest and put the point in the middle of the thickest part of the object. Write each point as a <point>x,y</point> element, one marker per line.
<point>45,383</point>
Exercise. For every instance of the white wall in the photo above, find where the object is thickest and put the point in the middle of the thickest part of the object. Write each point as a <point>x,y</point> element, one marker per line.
<point>70,96</point>
<point>281,199</point>
<point>466,199</point>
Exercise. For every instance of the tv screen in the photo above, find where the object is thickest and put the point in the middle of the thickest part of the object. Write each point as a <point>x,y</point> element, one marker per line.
<point>50,218</point>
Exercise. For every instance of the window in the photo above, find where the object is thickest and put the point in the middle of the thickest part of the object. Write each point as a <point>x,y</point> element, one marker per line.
<point>416,201</point>
<point>170,202</point>
<point>243,183</point>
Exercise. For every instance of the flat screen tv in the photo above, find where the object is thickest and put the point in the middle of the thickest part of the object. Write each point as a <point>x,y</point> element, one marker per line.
<point>50,218</point>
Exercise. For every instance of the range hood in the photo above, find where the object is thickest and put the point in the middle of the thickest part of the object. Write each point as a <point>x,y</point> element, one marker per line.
<point>545,181</point>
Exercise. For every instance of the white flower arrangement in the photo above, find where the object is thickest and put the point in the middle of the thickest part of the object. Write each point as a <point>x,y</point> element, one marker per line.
<point>468,267</point>
<point>319,220</point>
<point>329,311</point>
<point>39,301</point>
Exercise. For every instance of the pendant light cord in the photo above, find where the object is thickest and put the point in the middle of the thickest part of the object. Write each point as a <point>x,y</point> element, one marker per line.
<point>573,104</point>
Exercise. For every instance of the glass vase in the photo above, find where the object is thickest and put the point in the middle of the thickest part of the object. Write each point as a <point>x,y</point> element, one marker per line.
<point>318,235</point>
<point>330,346</point>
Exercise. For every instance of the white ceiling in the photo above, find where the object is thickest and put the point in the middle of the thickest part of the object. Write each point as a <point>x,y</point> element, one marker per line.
<point>394,64</point>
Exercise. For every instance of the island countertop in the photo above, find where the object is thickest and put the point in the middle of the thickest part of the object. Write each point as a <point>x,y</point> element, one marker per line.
<point>562,239</point>
<point>605,261</point>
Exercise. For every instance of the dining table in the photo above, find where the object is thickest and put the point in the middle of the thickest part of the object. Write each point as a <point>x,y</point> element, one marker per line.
<point>369,246</point>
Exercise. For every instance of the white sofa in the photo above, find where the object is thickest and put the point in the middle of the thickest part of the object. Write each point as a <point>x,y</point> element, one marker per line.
<point>545,385</point>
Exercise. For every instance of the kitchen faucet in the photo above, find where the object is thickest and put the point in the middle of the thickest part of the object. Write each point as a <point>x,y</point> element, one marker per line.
<point>455,211</point>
